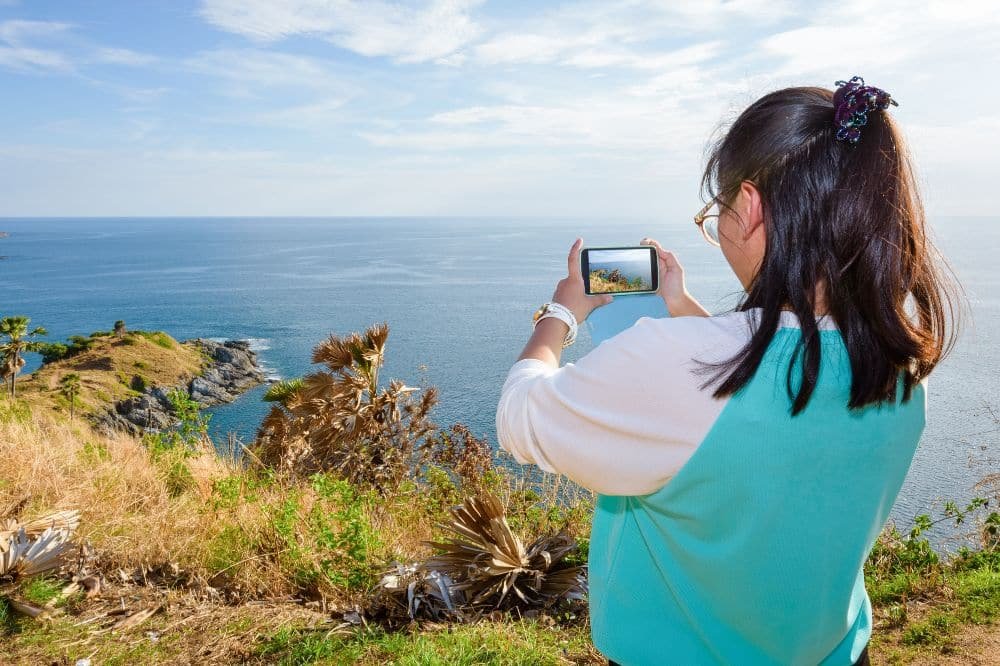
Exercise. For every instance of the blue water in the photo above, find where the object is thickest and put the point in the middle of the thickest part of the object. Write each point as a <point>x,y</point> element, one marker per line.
<point>457,293</point>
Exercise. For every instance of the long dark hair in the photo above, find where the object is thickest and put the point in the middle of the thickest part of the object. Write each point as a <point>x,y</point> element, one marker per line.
<point>848,216</point>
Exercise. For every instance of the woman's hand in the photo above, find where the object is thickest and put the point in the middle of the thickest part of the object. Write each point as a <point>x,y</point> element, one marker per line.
<point>545,343</point>
<point>672,288</point>
<point>571,291</point>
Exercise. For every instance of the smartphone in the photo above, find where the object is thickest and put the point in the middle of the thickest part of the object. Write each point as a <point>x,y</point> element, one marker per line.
<point>620,270</point>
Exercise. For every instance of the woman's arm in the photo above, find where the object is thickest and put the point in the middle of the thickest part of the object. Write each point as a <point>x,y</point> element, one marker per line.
<point>686,306</point>
<point>622,419</point>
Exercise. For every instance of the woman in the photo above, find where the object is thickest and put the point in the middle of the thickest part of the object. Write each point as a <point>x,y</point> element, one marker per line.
<point>745,463</point>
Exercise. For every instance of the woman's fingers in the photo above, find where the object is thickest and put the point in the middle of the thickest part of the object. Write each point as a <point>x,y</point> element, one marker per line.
<point>666,256</point>
<point>655,244</point>
<point>573,261</point>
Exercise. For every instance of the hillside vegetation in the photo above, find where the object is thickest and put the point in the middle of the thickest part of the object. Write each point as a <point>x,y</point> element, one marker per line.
<point>112,368</point>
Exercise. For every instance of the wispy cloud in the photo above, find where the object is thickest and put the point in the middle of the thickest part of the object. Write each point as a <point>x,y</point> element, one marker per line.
<point>371,28</point>
<point>251,72</point>
<point>18,49</point>
<point>28,46</point>
<point>627,34</point>
<point>128,57</point>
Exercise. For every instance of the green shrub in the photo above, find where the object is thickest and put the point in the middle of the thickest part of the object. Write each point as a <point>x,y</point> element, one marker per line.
<point>13,411</point>
<point>228,549</point>
<point>156,337</point>
<point>139,383</point>
<point>51,351</point>
<point>240,488</point>
<point>171,448</point>
<point>348,540</point>
<point>93,452</point>
<point>439,491</point>
<point>332,543</point>
<point>190,431</point>
<point>937,629</point>
<point>78,345</point>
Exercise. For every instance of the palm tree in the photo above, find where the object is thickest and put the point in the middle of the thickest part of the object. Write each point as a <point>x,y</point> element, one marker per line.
<point>19,340</point>
<point>69,386</point>
<point>337,419</point>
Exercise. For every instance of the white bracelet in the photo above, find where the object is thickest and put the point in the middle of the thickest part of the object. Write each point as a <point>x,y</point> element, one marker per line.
<point>562,313</point>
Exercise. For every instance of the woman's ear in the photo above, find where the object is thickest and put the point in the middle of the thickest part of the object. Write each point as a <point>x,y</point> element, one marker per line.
<point>753,209</point>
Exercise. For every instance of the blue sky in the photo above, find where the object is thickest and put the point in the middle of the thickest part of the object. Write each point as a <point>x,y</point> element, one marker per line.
<point>455,107</point>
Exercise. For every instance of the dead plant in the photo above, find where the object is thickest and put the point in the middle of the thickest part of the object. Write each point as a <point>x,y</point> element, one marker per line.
<point>337,419</point>
<point>483,567</point>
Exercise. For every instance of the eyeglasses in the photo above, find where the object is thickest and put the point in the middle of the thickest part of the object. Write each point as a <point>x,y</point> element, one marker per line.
<point>709,223</point>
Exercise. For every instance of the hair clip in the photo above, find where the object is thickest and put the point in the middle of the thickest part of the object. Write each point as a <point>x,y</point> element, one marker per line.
<point>853,101</point>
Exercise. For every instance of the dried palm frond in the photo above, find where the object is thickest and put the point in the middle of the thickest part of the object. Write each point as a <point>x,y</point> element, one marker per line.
<point>338,419</point>
<point>482,568</point>
<point>488,561</point>
<point>334,353</point>
<point>32,548</point>
<point>406,592</point>
<point>66,519</point>
<point>28,549</point>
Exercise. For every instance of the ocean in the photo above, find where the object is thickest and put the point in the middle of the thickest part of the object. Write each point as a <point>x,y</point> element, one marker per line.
<point>457,294</point>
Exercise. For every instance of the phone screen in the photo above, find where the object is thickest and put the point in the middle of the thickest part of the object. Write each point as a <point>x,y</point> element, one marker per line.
<point>619,270</point>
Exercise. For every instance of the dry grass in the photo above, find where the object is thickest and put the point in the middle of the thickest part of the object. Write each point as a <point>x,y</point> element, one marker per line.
<point>126,508</point>
<point>200,518</point>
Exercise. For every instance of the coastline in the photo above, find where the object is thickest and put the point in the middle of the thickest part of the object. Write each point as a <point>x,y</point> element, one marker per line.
<point>232,368</point>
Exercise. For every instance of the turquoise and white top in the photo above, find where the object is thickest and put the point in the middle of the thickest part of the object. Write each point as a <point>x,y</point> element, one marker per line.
<point>725,531</point>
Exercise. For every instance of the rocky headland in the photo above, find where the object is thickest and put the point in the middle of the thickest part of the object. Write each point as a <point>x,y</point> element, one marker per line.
<point>231,368</point>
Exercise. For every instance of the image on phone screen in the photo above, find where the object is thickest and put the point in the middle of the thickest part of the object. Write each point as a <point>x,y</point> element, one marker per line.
<point>619,270</point>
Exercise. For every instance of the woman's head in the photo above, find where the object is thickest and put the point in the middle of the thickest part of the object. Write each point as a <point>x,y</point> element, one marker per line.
<point>813,223</point>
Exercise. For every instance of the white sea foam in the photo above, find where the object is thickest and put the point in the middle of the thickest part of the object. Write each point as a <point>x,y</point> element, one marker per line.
<point>258,345</point>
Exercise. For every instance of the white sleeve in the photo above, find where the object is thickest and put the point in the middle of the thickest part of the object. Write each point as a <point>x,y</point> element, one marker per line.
<point>621,420</point>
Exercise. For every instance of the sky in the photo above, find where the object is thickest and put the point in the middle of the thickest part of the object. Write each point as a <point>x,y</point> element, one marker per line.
<point>456,107</point>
